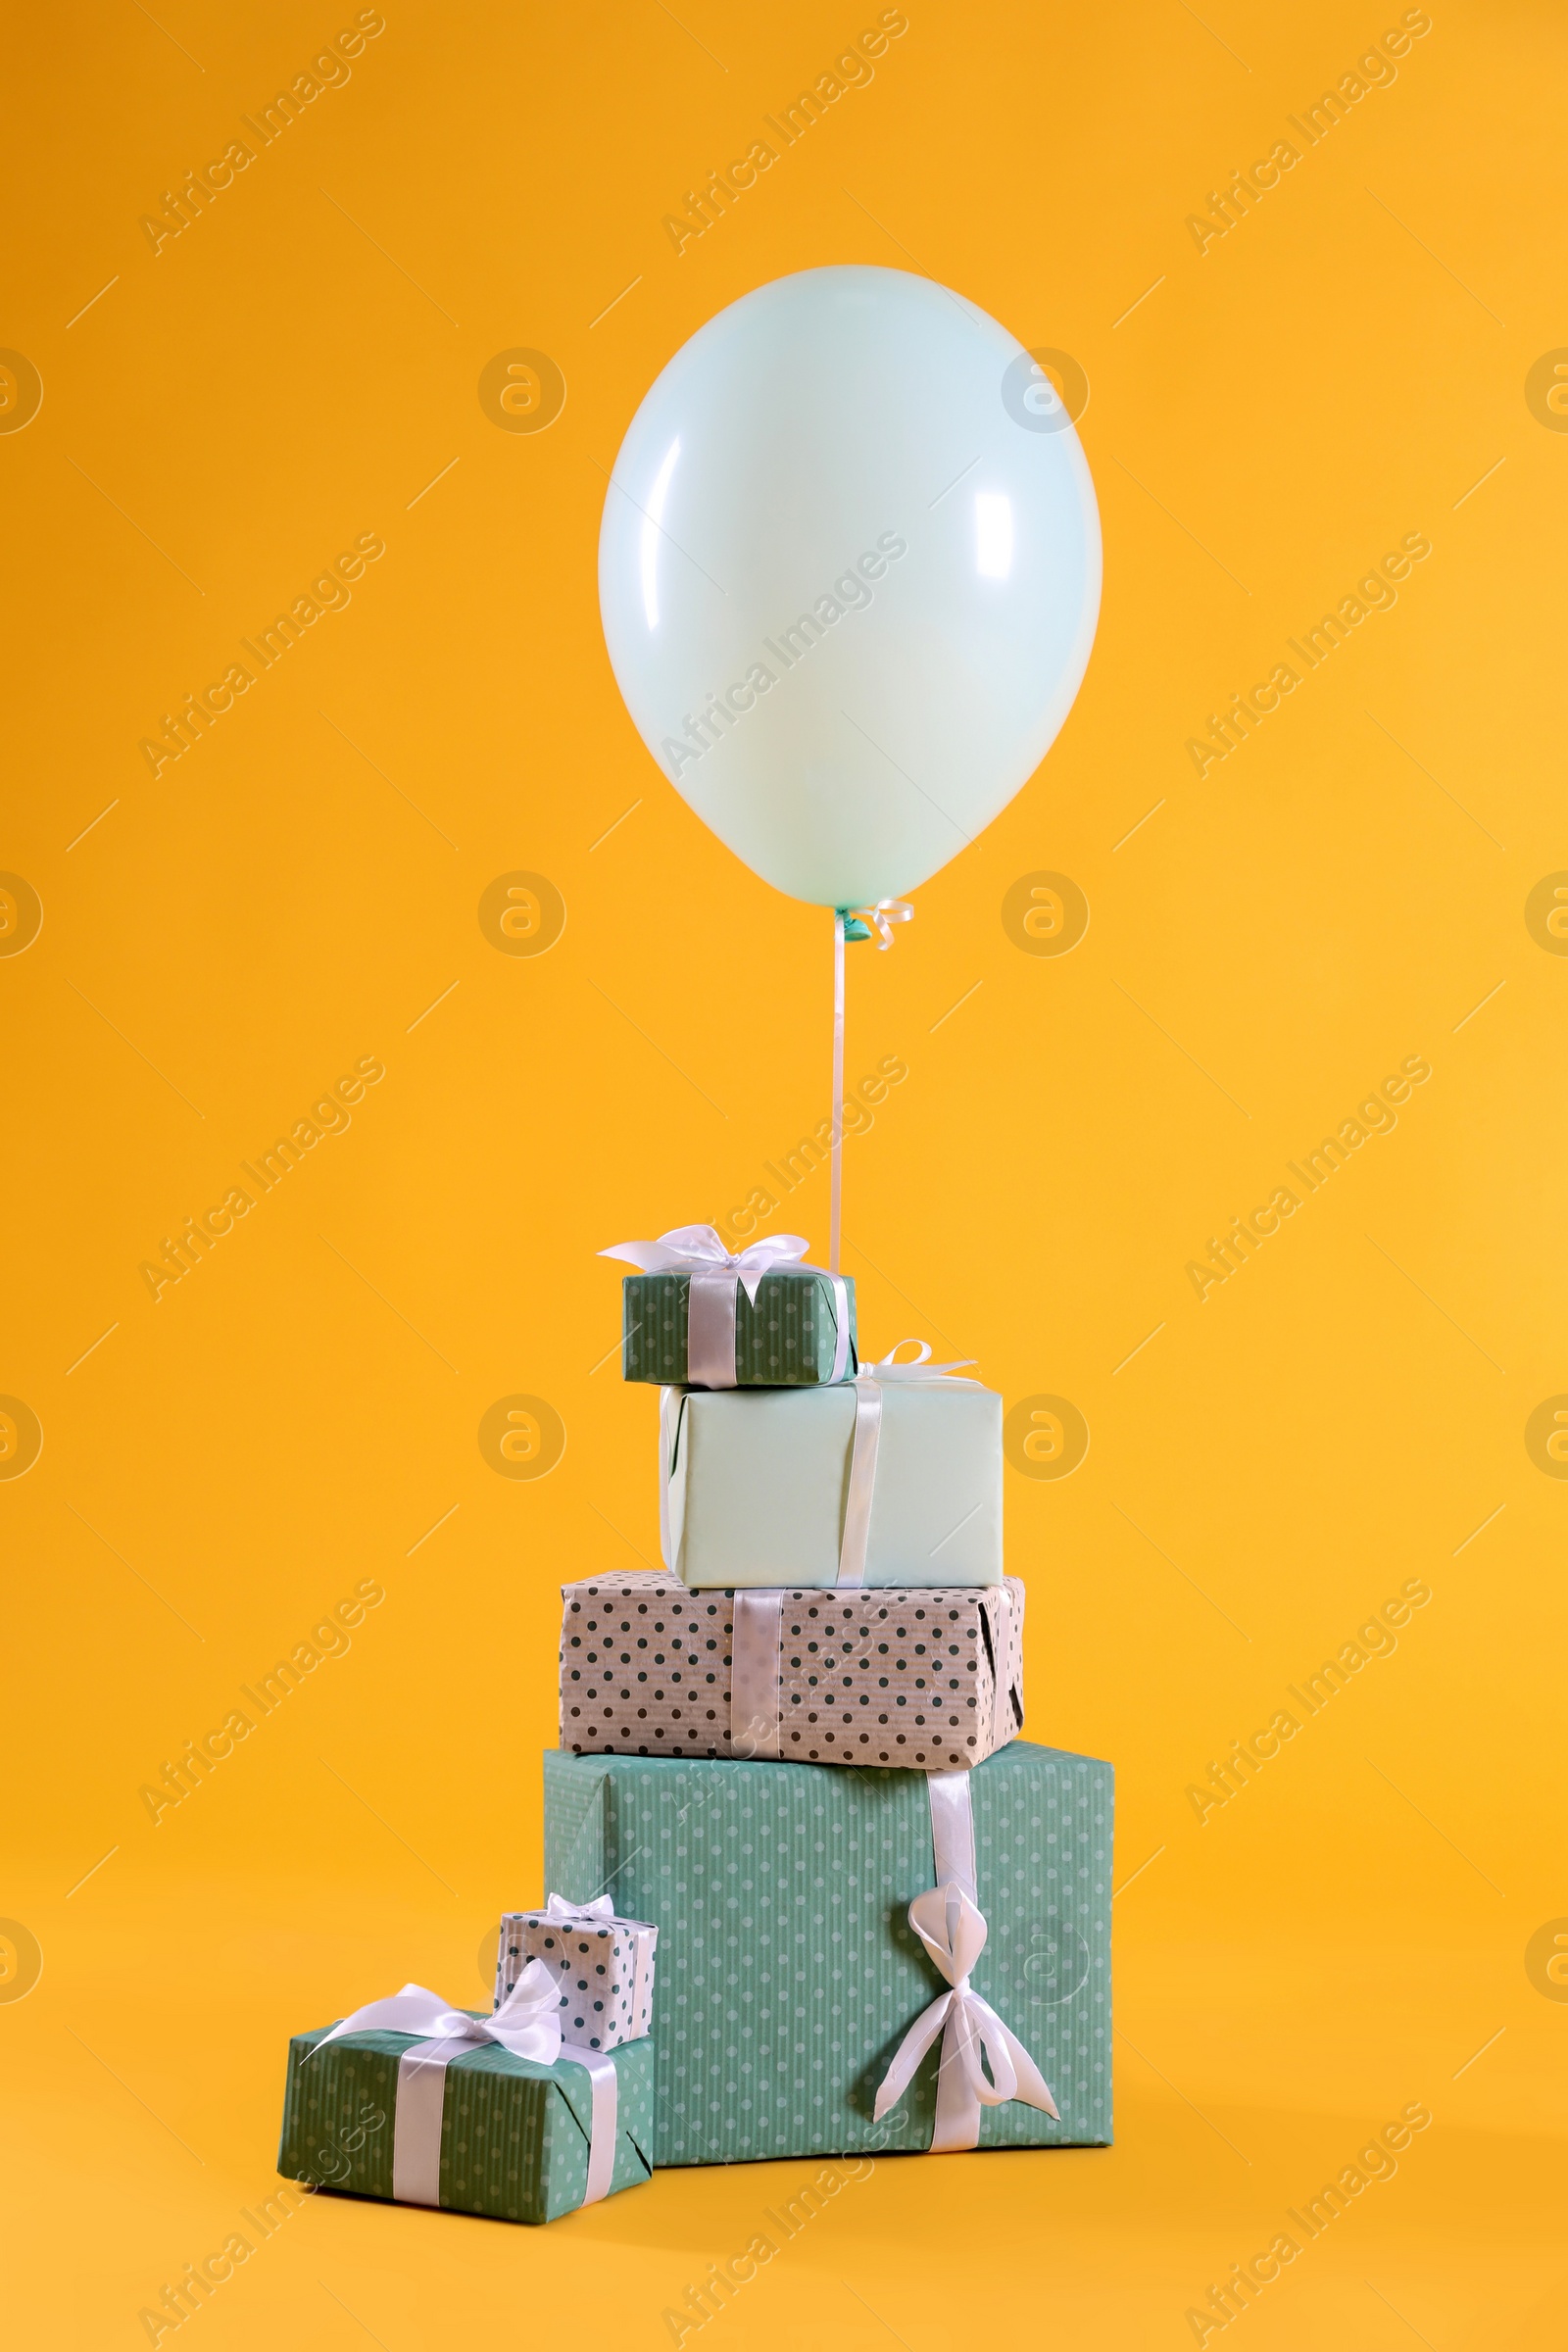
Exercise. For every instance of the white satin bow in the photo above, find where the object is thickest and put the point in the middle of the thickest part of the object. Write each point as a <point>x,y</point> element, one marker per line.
<point>527,2022</point>
<point>602,1910</point>
<point>880,916</point>
<point>700,1250</point>
<point>920,1367</point>
<point>953,1929</point>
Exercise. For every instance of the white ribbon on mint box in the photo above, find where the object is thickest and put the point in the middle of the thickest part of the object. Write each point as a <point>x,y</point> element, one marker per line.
<point>716,1275</point>
<point>671,1407</point>
<point>526,2024</point>
<point>856,1534</point>
<point>921,1372</point>
<point>950,1922</point>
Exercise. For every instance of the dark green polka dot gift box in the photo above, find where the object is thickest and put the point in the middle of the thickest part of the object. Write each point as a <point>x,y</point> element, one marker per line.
<point>788,1339</point>
<point>698,1314</point>
<point>791,1973</point>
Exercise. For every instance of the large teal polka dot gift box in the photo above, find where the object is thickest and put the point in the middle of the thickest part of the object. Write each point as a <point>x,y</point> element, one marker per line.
<point>790,1971</point>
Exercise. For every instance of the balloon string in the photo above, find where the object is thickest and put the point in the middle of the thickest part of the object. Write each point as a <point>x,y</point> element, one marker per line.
<point>836,1153</point>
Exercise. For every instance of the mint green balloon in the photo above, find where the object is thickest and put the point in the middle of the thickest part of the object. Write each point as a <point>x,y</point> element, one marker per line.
<point>848,573</point>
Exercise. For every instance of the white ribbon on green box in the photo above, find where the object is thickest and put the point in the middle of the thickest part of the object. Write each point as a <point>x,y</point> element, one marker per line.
<point>526,2024</point>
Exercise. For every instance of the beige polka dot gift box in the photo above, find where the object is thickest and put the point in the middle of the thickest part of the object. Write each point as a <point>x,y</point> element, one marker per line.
<point>931,1679</point>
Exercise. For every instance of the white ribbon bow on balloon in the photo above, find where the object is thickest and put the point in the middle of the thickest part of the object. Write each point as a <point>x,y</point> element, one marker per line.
<point>879,917</point>
<point>983,2063</point>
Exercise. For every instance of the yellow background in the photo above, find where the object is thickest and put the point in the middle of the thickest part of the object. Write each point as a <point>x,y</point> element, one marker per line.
<point>293,894</point>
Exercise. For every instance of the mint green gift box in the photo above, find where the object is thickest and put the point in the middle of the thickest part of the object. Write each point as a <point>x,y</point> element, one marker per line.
<point>758,1484</point>
<point>515,2135</point>
<point>787,1971</point>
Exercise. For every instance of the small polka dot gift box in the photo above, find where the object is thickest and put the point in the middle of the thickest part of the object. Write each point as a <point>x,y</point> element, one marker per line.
<point>605,1966</point>
<point>930,1680</point>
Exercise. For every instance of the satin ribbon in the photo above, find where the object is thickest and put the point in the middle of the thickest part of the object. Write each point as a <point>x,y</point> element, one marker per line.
<point>717,1273</point>
<point>755,1639</point>
<point>851,923</point>
<point>600,1913</point>
<point>868,1384</point>
<point>527,2024</point>
<point>919,1372</point>
<point>983,2064</point>
<point>878,917</point>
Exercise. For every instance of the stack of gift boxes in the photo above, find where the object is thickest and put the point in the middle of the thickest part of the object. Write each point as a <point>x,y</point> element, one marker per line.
<point>790,1763</point>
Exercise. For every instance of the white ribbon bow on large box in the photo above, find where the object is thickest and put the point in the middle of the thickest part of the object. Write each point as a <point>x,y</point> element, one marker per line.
<point>716,1274</point>
<point>951,1925</point>
<point>526,2024</point>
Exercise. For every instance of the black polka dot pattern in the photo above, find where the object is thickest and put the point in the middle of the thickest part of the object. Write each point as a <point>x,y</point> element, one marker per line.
<point>602,2003</point>
<point>899,1675</point>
